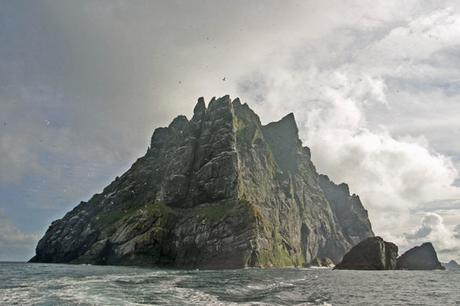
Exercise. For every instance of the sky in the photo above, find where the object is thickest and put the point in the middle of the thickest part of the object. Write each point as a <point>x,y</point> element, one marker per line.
<point>374,86</point>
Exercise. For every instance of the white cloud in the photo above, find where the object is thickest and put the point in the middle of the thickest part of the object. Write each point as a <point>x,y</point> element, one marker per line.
<point>433,229</point>
<point>391,175</point>
<point>14,244</point>
<point>457,231</point>
<point>420,38</point>
<point>346,104</point>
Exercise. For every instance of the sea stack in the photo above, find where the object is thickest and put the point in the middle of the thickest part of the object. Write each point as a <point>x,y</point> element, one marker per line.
<point>220,190</point>
<point>371,254</point>
<point>452,265</point>
<point>422,257</point>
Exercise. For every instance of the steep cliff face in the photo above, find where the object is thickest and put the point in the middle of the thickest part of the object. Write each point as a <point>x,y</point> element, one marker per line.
<point>349,212</point>
<point>218,191</point>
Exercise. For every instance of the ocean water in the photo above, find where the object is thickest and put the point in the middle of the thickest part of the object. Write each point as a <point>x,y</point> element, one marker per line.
<point>56,284</point>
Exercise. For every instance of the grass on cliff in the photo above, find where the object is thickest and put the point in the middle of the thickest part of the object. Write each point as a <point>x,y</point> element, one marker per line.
<point>112,217</point>
<point>211,212</point>
<point>217,211</point>
<point>278,255</point>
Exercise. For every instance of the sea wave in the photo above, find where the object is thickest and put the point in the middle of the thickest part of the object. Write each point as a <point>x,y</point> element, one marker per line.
<point>38,284</point>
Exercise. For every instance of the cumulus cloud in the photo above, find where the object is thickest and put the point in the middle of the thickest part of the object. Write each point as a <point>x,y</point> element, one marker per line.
<point>416,40</point>
<point>430,222</point>
<point>346,105</point>
<point>391,174</point>
<point>432,228</point>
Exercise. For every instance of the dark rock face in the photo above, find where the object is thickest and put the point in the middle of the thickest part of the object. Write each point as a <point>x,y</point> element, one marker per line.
<point>348,210</point>
<point>371,254</point>
<point>422,257</point>
<point>217,191</point>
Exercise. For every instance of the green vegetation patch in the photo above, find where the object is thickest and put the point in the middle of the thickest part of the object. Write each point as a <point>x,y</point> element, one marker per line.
<point>160,210</point>
<point>217,211</point>
<point>279,256</point>
<point>109,219</point>
<point>106,218</point>
<point>255,213</point>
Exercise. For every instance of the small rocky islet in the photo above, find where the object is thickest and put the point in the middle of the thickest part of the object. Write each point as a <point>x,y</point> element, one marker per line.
<point>452,265</point>
<point>370,254</point>
<point>421,257</point>
<point>220,191</point>
<point>376,254</point>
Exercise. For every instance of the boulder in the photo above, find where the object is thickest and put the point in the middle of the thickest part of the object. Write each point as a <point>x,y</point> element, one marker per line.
<point>420,258</point>
<point>371,254</point>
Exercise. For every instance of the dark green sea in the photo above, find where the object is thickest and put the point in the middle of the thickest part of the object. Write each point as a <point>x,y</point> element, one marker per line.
<point>57,284</point>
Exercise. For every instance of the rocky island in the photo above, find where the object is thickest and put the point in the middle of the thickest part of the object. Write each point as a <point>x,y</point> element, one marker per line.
<point>371,254</point>
<point>376,254</point>
<point>220,190</point>
<point>452,265</point>
<point>422,257</point>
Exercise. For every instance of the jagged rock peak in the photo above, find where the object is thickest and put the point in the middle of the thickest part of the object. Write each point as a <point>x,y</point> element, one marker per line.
<point>289,120</point>
<point>237,101</point>
<point>286,125</point>
<point>349,212</point>
<point>200,106</point>
<point>342,186</point>
<point>179,123</point>
<point>221,102</point>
